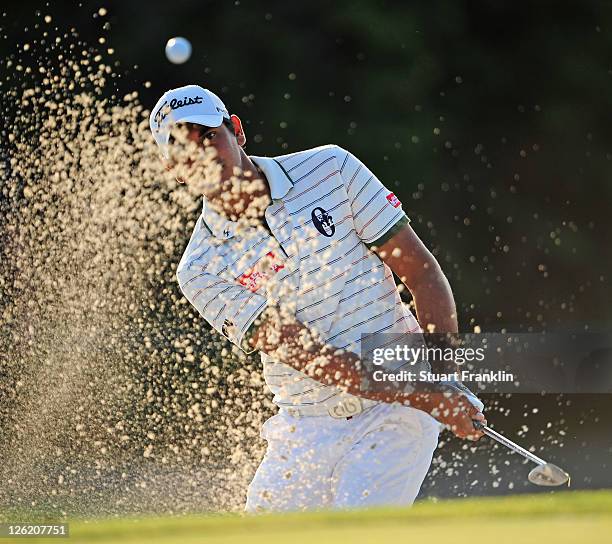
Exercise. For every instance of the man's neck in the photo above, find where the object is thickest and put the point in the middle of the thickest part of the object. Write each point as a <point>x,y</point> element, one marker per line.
<point>252,172</point>
<point>255,200</point>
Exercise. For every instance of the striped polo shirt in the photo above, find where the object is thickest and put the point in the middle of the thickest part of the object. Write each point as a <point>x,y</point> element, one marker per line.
<point>314,260</point>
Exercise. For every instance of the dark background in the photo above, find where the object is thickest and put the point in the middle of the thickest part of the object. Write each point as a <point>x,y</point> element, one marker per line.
<point>489,120</point>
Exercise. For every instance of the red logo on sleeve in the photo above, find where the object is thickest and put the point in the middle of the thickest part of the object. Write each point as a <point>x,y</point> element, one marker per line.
<point>393,200</point>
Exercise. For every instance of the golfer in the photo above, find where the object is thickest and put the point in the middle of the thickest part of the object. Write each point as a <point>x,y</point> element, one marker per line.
<point>293,256</point>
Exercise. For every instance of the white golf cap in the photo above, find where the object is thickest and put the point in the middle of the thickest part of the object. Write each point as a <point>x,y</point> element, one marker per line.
<point>188,104</point>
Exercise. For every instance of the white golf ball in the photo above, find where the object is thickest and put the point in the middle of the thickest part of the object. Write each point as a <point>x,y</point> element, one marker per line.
<point>178,50</point>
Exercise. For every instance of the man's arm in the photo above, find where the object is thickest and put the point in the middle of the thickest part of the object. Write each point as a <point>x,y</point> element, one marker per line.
<point>294,344</point>
<point>418,269</point>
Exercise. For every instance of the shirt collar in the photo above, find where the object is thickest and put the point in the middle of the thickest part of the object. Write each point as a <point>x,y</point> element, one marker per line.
<point>279,181</point>
<point>280,184</point>
<point>217,224</point>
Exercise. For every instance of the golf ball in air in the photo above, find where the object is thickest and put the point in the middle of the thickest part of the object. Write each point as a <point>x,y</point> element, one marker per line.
<point>178,50</point>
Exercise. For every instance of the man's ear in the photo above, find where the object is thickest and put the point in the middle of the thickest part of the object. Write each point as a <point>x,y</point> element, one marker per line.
<point>238,130</point>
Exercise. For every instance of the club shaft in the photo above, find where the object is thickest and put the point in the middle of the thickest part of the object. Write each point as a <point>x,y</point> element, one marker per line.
<point>511,445</point>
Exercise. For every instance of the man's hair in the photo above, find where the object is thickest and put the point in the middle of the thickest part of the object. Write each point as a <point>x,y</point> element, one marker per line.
<point>228,123</point>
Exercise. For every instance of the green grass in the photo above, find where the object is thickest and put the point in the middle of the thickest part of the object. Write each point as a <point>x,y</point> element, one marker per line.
<point>569,517</point>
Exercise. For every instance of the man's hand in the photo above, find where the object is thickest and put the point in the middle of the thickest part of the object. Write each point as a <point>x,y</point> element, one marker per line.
<point>457,413</point>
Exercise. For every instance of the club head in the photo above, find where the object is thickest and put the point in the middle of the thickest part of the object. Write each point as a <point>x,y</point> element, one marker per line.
<point>549,475</point>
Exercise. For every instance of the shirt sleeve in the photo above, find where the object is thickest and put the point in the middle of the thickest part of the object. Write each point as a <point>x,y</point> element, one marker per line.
<point>377,212</point>
<point>229,307</point>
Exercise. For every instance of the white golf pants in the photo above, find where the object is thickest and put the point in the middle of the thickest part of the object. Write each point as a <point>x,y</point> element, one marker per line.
<point>378,457</point>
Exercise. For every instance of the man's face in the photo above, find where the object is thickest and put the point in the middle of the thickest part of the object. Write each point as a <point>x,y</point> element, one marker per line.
<point>199,152</point>
<point>210,161</point>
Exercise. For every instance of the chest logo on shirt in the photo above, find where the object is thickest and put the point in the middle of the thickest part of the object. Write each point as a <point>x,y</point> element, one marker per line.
<point>255,278</point>
<point>323,222</point>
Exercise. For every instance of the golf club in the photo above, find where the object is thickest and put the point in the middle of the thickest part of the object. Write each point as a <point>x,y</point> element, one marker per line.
<point>545,474</point>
